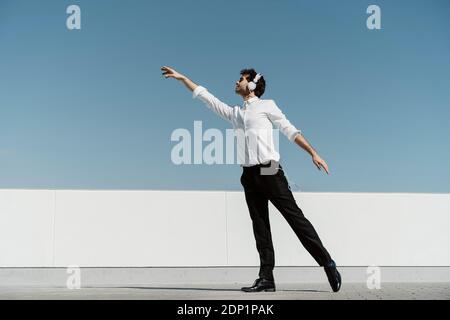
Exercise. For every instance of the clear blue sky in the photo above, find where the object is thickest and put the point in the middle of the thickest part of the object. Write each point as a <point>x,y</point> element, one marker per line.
<point>89,109</point>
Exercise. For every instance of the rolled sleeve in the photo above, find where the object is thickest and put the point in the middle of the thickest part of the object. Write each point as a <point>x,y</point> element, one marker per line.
<point>294,134</point>
<point>197,91</point>
<point>280,121</point>
<point>219,107</point>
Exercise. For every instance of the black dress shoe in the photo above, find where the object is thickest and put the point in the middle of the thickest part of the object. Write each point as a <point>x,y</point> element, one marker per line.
<point>334,277</point>
<point>261,284</point>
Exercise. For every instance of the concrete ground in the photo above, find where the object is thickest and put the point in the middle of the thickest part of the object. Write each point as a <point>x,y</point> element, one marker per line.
<point>297,291</point>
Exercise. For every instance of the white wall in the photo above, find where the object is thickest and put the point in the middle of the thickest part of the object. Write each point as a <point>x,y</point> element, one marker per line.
<point>57,228</point>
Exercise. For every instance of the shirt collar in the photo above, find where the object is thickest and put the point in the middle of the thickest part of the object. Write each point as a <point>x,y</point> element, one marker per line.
<point>253,99</point>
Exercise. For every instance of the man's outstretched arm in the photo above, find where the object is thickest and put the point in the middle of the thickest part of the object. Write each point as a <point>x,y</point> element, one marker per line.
<point>293,134</point>
<point>318,161</point>
<point>220,108</point>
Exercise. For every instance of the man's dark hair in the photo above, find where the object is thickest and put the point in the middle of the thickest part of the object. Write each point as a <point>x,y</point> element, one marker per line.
<point>260,85</point>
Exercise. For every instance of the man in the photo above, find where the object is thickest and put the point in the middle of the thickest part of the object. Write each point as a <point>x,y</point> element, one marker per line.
<point>263,178</point>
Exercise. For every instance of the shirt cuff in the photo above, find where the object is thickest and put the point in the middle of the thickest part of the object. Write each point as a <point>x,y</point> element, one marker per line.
<point>197,91</point>
<point>294,134</point>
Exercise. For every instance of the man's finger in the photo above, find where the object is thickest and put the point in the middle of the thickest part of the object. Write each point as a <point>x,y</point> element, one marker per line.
<point>325,167</point>
<point>317,164</point>
<point>168,73</point>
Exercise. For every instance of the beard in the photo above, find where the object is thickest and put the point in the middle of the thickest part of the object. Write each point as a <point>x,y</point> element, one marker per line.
<point>239,91</point>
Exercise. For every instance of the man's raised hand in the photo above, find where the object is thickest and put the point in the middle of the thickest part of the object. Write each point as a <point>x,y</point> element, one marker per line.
<point>171,73</point>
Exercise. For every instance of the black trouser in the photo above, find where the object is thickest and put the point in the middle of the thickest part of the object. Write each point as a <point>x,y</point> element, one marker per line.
<point>259,189</point>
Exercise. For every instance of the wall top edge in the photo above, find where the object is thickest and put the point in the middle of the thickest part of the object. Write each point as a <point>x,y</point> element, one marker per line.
<point>220,191</point>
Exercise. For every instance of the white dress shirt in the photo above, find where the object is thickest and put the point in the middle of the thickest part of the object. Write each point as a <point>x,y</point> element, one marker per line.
<point>253,126</point>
